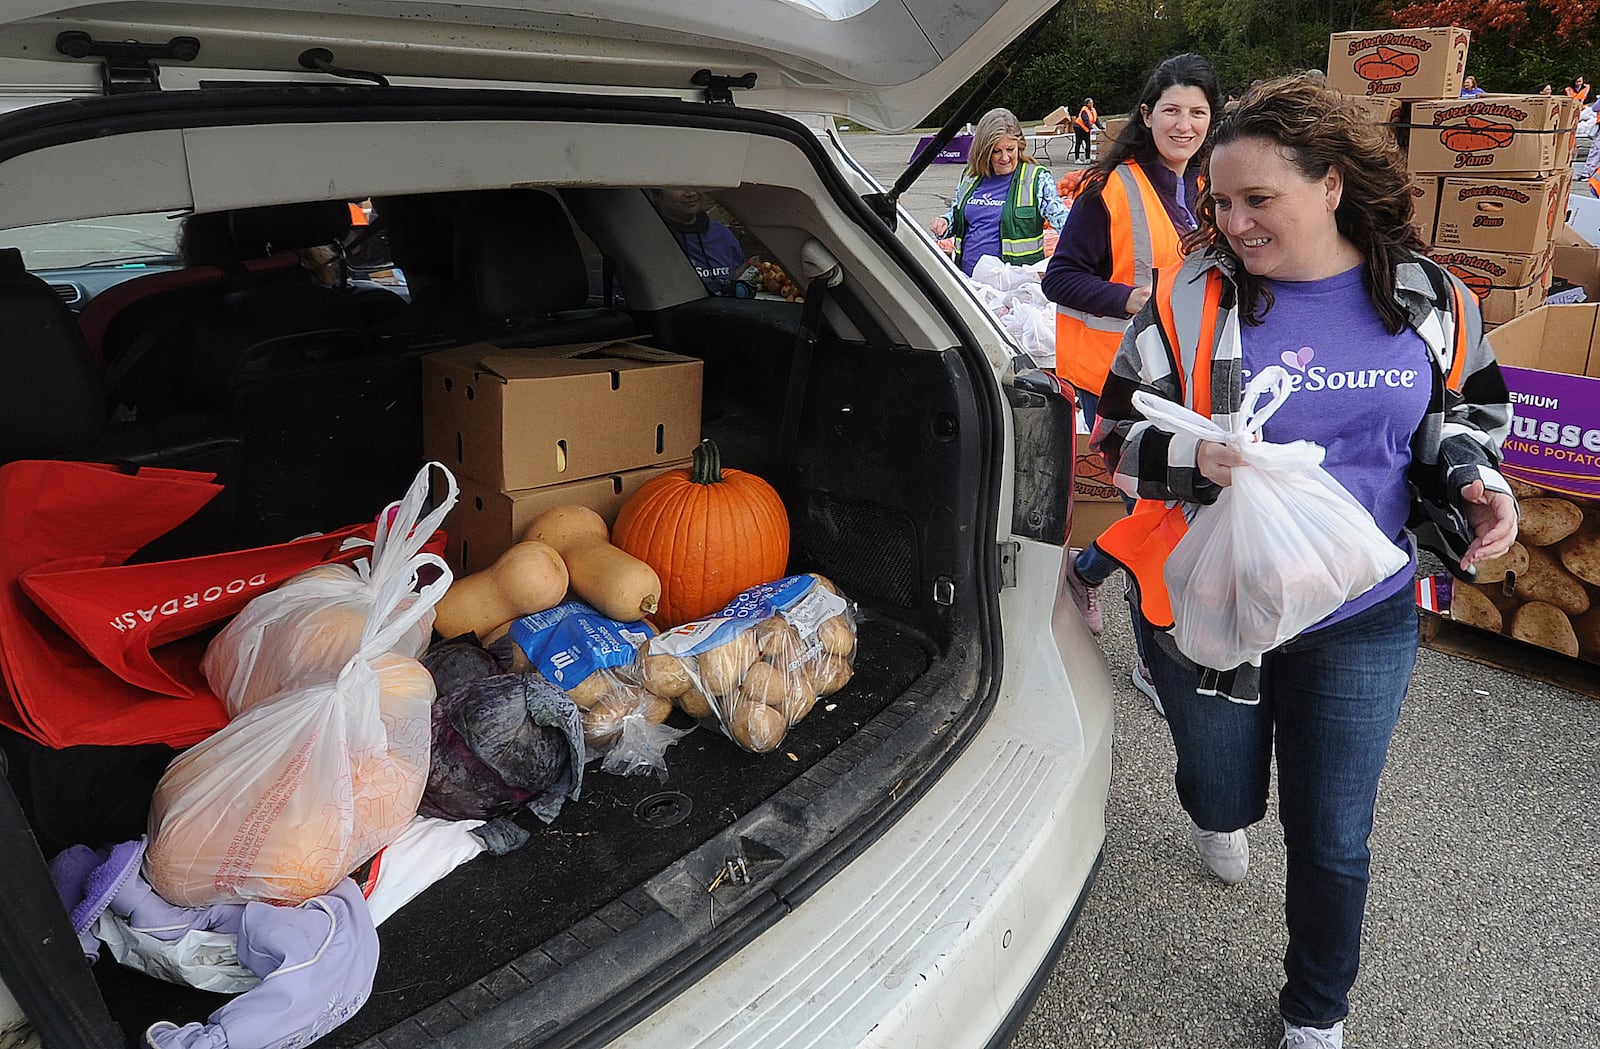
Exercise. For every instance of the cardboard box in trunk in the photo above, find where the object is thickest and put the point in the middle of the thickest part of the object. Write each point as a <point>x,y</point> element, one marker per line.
<point>1511,216</point>
<point>485,522</point>
<point>1399,63</point>
<point>524,418</point>
<point>1503,134</point>
<point>1550,593</point>
<point>1096,502</point>
<point>1507,286</point>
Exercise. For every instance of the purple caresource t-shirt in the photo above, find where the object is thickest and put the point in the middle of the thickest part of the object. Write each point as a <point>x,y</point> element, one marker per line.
<point>1358,391</point>
<point>982,213</point>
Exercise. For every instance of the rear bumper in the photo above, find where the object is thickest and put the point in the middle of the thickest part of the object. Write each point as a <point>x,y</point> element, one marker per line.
<point>941,931</point>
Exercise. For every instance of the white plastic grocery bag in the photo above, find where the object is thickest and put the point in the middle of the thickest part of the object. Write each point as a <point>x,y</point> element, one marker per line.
<point>1283,547</point>
<point>293,794</point>
<point>309,627</point>
<point>326,757</point>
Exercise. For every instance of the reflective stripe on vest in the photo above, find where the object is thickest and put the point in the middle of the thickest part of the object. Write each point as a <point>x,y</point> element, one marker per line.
<point>1022,194</point>
<point>1143,240</point>
<point>1142,541</point>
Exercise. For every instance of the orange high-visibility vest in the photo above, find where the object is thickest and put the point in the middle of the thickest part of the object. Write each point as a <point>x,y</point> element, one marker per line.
<point>1143,239</point>
<point>1143,540</point>
<point>1094,118</point>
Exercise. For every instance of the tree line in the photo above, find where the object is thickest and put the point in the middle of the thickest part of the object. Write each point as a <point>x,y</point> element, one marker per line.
<point>1106,48</point>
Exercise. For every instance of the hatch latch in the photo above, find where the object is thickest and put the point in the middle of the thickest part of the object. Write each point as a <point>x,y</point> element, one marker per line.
<point>719,88</point>
<point>127,65</point>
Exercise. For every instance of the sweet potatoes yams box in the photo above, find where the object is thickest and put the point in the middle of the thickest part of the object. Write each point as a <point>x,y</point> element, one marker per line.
<point>1399,63</point>
<point>1502,134</point>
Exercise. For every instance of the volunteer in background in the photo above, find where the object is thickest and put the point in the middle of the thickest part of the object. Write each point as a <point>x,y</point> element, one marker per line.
<point>710,245</point>
<point>1546,90</point>
<point>1002,200</point>
<point>1578,89</point>
<point>1305,252</point>
<point>1126,221</point>
<point>1470,88</point>
<point>1087,119</point>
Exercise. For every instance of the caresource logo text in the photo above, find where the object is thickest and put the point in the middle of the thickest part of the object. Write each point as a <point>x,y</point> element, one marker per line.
<point>138,617</point>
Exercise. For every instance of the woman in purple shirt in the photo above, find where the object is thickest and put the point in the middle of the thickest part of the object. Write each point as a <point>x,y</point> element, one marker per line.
<point>1003,199</point>
<point>1306,254</point>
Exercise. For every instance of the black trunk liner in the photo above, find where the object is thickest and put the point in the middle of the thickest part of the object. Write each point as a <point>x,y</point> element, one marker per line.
<point>492,910</point>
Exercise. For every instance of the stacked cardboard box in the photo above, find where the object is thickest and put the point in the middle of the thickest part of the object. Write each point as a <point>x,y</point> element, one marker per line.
<point>1383,71</point>
<point>1501,169</point>
<point>1096,502</point>
<point>524,430</point>
<point>1057,122</point>
<point>1490,175</point>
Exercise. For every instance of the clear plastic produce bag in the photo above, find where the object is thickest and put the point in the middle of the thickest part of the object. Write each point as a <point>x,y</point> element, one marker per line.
<point>757,667</point>
<point>1283,547</point>
<point>591,657</point>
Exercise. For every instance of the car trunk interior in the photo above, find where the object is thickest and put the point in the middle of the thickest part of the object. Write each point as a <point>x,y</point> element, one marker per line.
<point>882,450</point>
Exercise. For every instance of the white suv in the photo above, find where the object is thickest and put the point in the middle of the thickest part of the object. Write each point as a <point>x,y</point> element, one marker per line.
<point>904,870</point>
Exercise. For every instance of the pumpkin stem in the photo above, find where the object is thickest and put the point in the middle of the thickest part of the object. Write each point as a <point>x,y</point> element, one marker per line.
<point>707,463</point>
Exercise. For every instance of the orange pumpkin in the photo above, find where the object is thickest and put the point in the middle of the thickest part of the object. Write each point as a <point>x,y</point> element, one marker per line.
<point>709,533</point>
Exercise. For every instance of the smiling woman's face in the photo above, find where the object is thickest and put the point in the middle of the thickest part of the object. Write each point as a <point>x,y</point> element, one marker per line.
<point>1280,223</point>
<point>1178,123</point>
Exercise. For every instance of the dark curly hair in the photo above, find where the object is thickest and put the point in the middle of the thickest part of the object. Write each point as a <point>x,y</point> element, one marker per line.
<point>1318,129</point>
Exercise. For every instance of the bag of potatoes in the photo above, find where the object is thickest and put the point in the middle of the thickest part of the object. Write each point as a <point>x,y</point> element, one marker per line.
<point>590,656</point>
<point>760,665</point>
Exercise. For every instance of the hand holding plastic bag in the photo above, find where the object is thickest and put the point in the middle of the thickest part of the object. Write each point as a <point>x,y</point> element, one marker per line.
<point>1283,547</point>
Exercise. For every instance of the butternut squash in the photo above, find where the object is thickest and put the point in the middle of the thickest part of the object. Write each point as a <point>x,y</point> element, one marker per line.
<point>617,584</point>
<point>530,577</point>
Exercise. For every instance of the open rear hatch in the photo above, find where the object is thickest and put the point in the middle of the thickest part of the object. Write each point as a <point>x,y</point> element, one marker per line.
<point>891,488</point>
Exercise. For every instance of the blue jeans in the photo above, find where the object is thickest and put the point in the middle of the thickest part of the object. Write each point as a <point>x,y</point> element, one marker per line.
<point>1329,702</point>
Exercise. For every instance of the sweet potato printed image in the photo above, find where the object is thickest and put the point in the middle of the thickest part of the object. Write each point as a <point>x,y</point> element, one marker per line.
<point>1476,134</point>
<point>1386,63</point>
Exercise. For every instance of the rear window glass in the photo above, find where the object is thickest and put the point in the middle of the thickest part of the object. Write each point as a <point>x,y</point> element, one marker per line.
<point>119,240</point>
<point>730,260</point>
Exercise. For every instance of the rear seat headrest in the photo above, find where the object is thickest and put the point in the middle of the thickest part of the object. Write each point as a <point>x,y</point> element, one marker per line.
<point>516,255</point>
<point>285,227</point>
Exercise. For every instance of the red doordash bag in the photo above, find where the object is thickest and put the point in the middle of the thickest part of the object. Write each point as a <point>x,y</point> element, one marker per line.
<point>121,614</point>
<point>56,693</point>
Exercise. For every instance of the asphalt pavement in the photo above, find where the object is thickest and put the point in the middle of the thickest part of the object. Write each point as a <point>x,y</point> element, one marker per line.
<point>1483,923</point>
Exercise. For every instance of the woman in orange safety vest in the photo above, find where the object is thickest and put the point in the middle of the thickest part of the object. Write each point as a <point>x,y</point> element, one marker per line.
<point>1578,89</point>
<point>1127,221</point>
<point>1087,119</point>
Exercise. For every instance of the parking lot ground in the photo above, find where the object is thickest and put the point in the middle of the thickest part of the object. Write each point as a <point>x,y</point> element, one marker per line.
<point>1483,923</point>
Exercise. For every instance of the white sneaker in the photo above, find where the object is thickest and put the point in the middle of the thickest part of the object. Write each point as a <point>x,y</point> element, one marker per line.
<point>1312,1037</point>
<point>1085,595</point>
<point>1147,684</point>
<point>1227,855</point>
